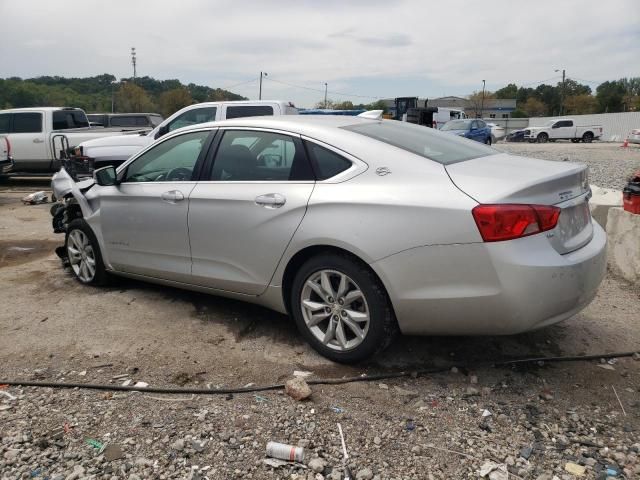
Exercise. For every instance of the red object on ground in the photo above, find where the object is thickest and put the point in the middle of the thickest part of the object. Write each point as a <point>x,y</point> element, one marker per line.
<point>631,197</point>
<point>626,143</point>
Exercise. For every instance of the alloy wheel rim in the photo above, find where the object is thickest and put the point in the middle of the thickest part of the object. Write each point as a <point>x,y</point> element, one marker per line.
<point>81,255</point>
<point>335,310</point>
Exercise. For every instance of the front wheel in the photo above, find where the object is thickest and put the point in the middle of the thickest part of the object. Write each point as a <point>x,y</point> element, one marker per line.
<point>341,308</point>
<point>84,255</point>
<point>543,138</point>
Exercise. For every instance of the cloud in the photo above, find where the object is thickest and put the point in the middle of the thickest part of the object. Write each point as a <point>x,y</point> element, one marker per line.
<point>378,48</point>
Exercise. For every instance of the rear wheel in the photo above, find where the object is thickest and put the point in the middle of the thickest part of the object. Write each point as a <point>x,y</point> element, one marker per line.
<point>84,255</point>
<point>587,137</point>
<point>341,308</point>
<point>543,138</point>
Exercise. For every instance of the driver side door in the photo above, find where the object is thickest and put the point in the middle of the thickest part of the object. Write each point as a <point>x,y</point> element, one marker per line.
<point>144,218</point>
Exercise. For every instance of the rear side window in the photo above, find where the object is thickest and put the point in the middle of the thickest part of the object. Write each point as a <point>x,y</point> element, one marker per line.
<point>433,144</point>
<point>4,122</point>
<point>327,163</point>
<point>30,122</point>
<point>238,111</point>
<point>65,119</point>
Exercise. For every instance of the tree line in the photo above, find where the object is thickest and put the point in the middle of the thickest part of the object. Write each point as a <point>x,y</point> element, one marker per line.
<point>570,98</point>
<point>98,94</point>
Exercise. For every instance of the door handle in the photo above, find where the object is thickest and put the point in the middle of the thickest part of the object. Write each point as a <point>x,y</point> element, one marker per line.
<point>271,200</point>
<point>38,140</point>
<point>172,196</point>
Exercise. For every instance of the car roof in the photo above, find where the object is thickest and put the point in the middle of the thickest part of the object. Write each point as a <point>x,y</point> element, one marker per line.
<point>39,109</point>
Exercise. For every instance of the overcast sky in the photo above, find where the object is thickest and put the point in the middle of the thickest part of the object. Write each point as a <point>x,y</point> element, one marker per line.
<point>374,48</point>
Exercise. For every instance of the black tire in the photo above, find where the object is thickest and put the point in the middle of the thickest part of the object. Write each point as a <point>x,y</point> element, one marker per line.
<point>587,137</point>
<point>543,138</point>
<point>382,326</point>
<point>100,276</point>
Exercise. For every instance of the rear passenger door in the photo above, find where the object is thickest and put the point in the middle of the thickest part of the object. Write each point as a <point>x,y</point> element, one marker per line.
<point>29,145</point>
<point>245,210</point>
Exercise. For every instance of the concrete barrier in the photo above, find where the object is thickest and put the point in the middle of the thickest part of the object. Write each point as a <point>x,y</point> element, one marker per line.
<point>602,200</point>
<point>623,231</point>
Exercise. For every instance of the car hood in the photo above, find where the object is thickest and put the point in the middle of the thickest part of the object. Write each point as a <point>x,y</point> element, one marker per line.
<point>134,140</point>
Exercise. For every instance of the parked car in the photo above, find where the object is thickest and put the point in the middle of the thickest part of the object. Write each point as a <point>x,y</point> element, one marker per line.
<point>115,150</point>
<point>476,130</point>
<point>355,227</point>
<point>563,129</point>
<point>125,120</point>
<point>497,132</point>
<point>38,134</point>
<point>515,136</point>
<point>634,136</point>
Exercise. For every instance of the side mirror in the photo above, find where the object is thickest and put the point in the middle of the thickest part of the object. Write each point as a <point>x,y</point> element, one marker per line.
<point>163,130</point>
<point>105,176</point>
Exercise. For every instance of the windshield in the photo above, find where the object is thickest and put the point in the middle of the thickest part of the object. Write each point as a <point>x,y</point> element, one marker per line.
<point>550,123</point>
<point>423,141</point>
<point>457,125</point>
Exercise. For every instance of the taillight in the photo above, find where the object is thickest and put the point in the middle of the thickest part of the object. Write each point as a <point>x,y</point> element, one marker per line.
<point>508,221</point>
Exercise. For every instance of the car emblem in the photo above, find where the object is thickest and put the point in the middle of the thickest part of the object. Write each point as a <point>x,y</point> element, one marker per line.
<point>382,171</point>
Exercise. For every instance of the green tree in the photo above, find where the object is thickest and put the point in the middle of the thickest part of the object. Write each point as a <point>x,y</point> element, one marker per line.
<point>508,92</point>
<point>534,107</point>
<point>173,100</point>
<point>581,104</point>
<point>132,98</point>
<point>610,96</point>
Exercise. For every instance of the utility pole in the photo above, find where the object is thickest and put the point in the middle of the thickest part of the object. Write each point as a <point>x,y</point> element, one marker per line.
<point>262,74</point>
<point>133,62</point>
<point>562,91</point>
<point>482,105</point>
<point>325,95</point>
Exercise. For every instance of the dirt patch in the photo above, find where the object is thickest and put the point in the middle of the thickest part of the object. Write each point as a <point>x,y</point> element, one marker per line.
<point>23,251</point>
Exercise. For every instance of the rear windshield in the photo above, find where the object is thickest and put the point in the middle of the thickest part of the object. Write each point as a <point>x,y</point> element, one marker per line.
<point>443,148</point>
<point>64,119</point>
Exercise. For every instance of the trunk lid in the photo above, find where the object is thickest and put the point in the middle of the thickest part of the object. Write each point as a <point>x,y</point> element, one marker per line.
<point>507,178</point>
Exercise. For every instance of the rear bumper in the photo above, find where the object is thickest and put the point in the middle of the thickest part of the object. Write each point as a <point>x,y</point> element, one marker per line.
<point>491,288</point>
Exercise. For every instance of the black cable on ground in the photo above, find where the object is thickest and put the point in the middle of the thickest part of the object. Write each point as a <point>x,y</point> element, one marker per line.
<point>280,386</point>
<point>221,391</point>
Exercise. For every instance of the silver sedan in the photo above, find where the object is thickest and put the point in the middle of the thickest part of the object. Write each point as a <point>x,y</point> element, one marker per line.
<point>357,228</point>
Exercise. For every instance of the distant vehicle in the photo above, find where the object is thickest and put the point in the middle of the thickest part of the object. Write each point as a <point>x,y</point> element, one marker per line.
<point>515,136</point>
<point>473,129</point>
<point>125,120</point>
<point>115,150</point>
<point>497,132</point>
<point>408,109</point>
<point>634,136</point>
<point>37,135</point>
<point>6,162</point>
<point>302,214</point>
<point>563,129</point>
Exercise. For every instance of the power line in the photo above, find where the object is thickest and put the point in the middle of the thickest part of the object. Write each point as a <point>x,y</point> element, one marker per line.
<point>238,84</point>
<point>540,81</point>
<point>321,90</point>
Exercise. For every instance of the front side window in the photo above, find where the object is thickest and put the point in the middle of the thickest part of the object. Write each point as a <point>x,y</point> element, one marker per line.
<point>173,160</point>
<point>238,111</point>
<point>245,155</point>
<point>27,122</point>
<point>65,119</point>
<point>328,164</point>
<point>193,117</point>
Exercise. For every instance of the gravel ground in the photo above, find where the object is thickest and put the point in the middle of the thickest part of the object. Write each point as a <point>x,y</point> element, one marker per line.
<point>539,423</point>
<point>610,165</point>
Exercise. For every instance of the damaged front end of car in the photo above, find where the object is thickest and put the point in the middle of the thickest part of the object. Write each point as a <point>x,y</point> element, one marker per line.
<point>71,203</point>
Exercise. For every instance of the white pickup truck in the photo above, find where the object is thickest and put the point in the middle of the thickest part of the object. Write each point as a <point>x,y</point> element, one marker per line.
<point>563,129</point>
<point>37,135</point>
<point>114,151</point>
